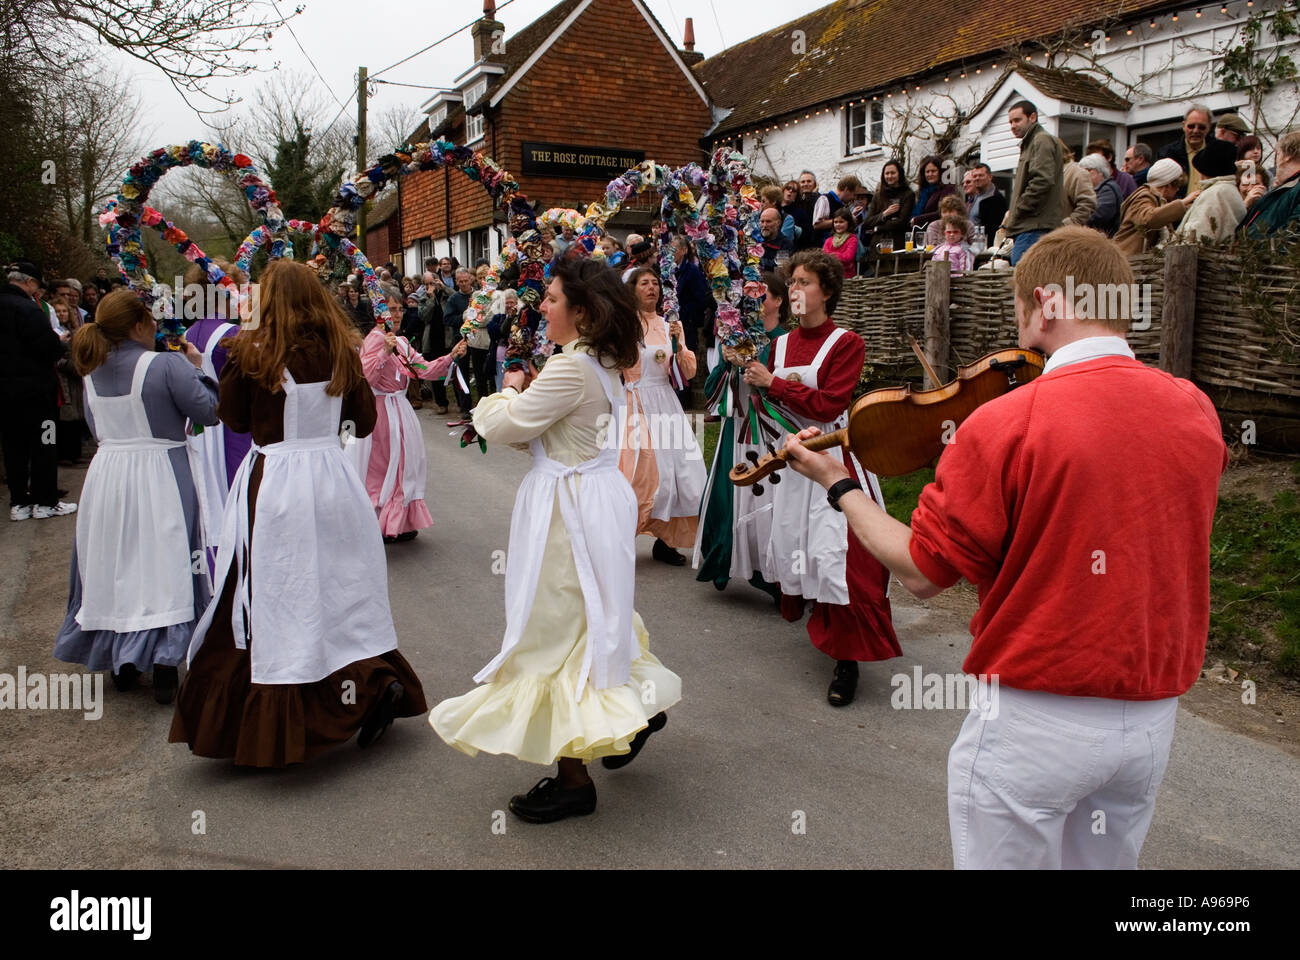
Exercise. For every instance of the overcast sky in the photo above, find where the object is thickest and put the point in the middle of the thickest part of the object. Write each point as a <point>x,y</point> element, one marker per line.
<point>331,32</point>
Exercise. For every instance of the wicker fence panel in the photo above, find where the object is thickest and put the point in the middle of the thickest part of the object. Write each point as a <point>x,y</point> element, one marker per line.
<point>981,315</point>
<point>1246,337</point>
<point>883,311</point>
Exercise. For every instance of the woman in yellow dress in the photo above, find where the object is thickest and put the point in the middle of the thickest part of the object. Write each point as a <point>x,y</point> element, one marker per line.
<point>575,680</point>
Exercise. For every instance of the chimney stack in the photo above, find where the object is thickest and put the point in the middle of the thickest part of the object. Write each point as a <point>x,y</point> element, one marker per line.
<point>488,34</point>
<point>688,41</point>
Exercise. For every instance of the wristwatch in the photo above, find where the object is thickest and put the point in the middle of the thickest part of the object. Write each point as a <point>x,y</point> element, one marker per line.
<point>838,490</point>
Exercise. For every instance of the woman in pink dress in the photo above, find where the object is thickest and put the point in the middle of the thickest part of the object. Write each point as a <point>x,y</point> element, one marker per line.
<point>395,467</point>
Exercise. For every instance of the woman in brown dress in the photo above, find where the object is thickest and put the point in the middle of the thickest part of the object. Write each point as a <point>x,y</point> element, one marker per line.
<point>297,651</point>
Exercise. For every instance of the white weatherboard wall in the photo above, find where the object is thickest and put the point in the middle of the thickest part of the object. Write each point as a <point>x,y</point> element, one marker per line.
<point>1173,65</point>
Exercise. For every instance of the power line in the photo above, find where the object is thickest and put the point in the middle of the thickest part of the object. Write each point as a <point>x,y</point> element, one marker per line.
<point>417,86</point>
<point>342,110</point>
<point>330,89</point>
<point>435,43</point>
<point>719,23</point>
<point>677,25</point>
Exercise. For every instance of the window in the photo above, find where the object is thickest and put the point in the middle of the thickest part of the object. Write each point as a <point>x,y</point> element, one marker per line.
<point>438,118</point>
<point>426,250</point>
<point>1077,134</point>
<point>474,128</point>
<point>479,245</point>
<point>475,93</point>
<point>866,126</point>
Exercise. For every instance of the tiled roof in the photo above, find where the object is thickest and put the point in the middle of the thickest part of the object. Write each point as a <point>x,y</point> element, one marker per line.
<point>856,46</point>
<point>1071,87</point>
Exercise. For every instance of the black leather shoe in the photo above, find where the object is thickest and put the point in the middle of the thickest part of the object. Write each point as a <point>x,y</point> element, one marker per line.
<point>845,684</point>
<point>381,715</point>
<point>125,680</point>
<point>666,554</point>
<point>165,681</point>
<point>548,802</point>
<point>407,536</point>
<point>654,725</point>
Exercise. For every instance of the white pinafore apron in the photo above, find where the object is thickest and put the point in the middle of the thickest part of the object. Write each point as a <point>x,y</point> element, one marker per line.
<point>133,544</point>
<point>808,547</point>
<point>312,588</point>
<point>600,514</point>
<point>405,440</point>
<point>678,459</point>
<point>207,454</point>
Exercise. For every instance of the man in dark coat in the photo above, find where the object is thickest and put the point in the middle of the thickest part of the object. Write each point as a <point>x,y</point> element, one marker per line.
<point>1213,157</point>
<point>29,397</point>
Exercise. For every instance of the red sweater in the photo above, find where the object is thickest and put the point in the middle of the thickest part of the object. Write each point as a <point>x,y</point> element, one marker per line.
<point>1080,505</point>
<point>835,381</point>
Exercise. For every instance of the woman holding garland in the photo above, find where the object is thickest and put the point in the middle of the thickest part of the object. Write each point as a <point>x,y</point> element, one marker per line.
<point>575,679</point>
<point>396,468</point>
<point>735,525</point>
<point>812,372</point>
<point>135,591</point>
<point>297,651</point>
<point>660,457</point>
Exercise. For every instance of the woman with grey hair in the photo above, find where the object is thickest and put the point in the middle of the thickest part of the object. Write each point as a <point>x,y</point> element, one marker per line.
<point>1106,217</point>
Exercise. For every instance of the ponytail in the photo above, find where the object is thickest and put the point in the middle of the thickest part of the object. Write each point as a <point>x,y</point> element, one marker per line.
<point>89,348</point>
<point>115,318</point>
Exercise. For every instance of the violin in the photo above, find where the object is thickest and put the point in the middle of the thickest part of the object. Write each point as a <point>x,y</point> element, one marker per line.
<point>896,430</point>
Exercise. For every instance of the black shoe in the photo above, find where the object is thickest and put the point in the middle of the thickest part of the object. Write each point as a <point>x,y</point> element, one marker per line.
<point>655,724</point>
<point>125,680</point>
<point>165,681</point>
<point>548,802</point>
<point>390,539</point>
<point>381,715</point>
<point>407,536</point>
<point>845,684</point>
<point>666,554</point>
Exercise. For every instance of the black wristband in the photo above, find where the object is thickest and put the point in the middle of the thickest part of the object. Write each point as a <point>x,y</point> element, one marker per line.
<point>838,490</point>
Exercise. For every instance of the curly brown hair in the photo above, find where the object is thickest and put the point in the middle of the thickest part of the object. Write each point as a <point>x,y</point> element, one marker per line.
<point>609,325</point>
<point>634,278</point>
<point>827,269</point>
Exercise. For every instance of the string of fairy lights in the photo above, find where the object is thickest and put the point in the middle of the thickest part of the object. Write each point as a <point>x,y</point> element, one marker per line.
<point>737,139</point>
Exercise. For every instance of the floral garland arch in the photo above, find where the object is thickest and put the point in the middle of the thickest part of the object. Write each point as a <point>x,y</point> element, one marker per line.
<point>128,212</point>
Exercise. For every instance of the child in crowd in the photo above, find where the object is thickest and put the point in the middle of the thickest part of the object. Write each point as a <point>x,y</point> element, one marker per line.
<point>954,248</point>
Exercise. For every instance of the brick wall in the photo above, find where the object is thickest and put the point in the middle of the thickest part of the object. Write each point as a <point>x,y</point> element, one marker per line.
<point>383,243</point>
<point>608,81</point>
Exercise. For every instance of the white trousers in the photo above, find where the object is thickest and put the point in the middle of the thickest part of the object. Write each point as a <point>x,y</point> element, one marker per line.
<point>1042,781</point>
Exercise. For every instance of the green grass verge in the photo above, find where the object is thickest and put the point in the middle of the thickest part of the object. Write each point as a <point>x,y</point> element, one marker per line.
<point>1255,578</point>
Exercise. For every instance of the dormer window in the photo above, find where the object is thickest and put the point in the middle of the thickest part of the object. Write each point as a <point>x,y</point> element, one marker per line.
<point>438,118</point>
<point>475,93</point>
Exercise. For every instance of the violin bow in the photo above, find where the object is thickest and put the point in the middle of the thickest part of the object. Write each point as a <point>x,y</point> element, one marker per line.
<point>925,364</point>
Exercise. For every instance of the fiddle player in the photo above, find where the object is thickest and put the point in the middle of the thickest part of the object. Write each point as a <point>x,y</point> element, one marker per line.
<point>812,371</point>
<point>1092,561</point>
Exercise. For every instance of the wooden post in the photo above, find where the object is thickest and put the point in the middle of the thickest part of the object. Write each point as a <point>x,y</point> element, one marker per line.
<point>1178,318</point>
<point>938,290</point>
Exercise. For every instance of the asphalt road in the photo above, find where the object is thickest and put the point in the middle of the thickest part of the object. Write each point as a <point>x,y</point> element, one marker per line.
<point>752,752</point>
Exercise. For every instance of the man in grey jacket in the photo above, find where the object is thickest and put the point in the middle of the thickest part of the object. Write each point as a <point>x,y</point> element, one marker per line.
<point>1036,197</point>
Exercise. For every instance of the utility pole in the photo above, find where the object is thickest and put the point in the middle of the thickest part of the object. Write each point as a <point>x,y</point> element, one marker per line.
<point>361,150</point>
